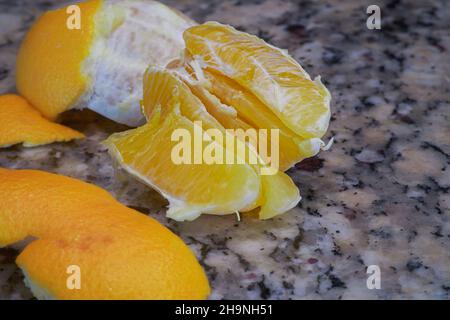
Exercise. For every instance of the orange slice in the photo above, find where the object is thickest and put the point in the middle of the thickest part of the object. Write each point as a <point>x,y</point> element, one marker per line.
<point>269,73</point>
<point>212,188</point>
<point>21,123</point>
<point>119,253</point>
<point>192,187</point>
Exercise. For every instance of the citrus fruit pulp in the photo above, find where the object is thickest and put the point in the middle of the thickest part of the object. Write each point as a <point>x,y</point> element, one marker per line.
<point>274,77</point>
<point>239,108</point>
<point>147,152</point>
<point>214,188</point>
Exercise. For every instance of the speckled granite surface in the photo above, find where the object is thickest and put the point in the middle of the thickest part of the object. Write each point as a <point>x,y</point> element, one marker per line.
<point>380,196</point>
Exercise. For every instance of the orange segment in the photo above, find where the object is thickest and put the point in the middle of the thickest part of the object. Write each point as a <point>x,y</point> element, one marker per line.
<point>21,123</point>
<point>280,195</point>
<point>268,72</point>
<point>163,88</point>
<point>148,153</point>
<point>192,189</point>
<point>121,254</point>
<point>250,111</point>
<point>215,188</point>
<point>49,63</point>
<point>166,91</point>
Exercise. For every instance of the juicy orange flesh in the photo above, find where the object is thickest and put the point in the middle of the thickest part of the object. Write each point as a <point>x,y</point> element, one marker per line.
<point>49,63</point>
<point>121,253</point>
<point>228,80</point>
<point>148,150</point>
<point>280,195</point>
<point>278,191</point>
<point>269,73</point>
<point>170,104</point>
<point>167,91</point>
<point>163,88</point>
<point>21,123</point>
<point>250,112</point>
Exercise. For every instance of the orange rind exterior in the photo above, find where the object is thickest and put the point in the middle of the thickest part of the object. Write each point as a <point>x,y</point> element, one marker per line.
<point>21,123</point>
<point>120,253</point>
<point>50,60</point>
<point>92,54</point>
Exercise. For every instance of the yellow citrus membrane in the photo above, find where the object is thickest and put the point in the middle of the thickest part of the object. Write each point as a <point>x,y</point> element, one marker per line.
<point>165,88</point>
<point>191,189</point>
<point>225,183</point>
<point>86,245</point>
<point>99,65</point>
<point>21,123</point>
<point>269,73</point>
<point>189,149</point>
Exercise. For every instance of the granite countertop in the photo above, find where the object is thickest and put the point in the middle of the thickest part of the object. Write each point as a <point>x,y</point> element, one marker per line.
<point>380,196</point>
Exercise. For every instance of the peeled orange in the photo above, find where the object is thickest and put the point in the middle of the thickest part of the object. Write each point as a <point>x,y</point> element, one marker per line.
<point>101,64</point>
<point>231,82</point>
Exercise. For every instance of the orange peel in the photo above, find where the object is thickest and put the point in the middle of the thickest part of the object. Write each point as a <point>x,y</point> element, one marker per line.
<point>100,65</point>
<point>21,123</point>
<point>121,254</point>
<point>49,63</point>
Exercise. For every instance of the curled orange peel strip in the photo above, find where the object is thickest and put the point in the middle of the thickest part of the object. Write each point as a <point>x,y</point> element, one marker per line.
<point>21,123</point>
<point>119,253</point>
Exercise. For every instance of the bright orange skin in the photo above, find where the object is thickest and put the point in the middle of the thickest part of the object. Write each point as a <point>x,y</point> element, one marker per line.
<point>122,254</point>
<point>49,63</point>
<point>21,123</point>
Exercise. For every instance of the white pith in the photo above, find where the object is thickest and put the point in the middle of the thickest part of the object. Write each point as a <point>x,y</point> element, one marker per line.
<point>129,36</point>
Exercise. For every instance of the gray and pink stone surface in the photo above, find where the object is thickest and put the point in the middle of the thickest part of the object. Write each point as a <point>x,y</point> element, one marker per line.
<point>380,196</point>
